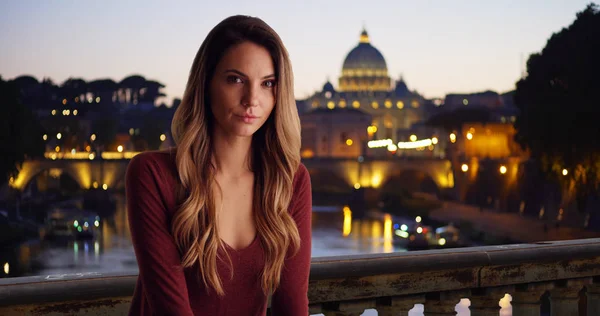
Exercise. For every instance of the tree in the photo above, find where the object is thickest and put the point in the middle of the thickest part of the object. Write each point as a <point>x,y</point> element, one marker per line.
<point>559,108</point>
<point>20,132</point>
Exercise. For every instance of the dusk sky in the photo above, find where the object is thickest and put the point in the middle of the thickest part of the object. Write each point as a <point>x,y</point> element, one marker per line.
<point>439,47</point>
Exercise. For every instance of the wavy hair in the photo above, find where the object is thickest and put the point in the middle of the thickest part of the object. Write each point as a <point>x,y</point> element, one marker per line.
<point>275,157</point>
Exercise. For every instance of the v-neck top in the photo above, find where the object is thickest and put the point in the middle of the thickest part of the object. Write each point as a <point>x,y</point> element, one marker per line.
<point>165,288</point>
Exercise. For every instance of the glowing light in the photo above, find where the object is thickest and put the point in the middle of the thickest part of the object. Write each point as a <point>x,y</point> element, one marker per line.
<point>349,142</point>
<point>469,135</point>
<point>434,140</point>
<point>342,103</point>
<point>90,100</point>
<point>387,234</point>
<point>347,221</point>
<point>97,223</point>
<point>120,148</point>
<point>6,268</point>
<point>372,130</point>
<point>464,167</point>
<point>58,136</point>
<point>418,219</point>
<point>11,180</point>
<point>95,185</point>
<point>79,229</point>
<point>453,138</point>
<point>355,104</point>
<point>163,137</point>
<point>45,137</point>
<point>91,156</point>
<point>93,137</point>
<point>388,104</point>
<point>415,144</point>
<point>105,187</point>
<point>86,224</point>
<point>465,101</point>
<point>392,148</point>
<point>402,234</point>
<point>375,104</point>
<point>442,241</point>
<point>67,112</point>
<point>88,148</point>
<point>565,172</point>
<point>64,101</point>
<point>413,138</point>
<point>57,148</point>
<point>75,112</point>
<point>503,169</point>
<point>97,99</point>
<point>419,230</point>
<point>331,105</point>
<point>75,223</point>
<point>404,227</point>
<point>357,185</point>
<point>53,112</point>
<point>379,143</point>
<point>400,105</point>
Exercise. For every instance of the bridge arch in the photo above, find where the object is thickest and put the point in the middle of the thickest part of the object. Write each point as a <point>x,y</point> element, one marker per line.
<point>53,171</point>
<point>411,180</point>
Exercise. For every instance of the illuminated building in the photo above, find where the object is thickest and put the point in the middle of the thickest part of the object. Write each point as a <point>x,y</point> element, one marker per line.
<point>365,85</point>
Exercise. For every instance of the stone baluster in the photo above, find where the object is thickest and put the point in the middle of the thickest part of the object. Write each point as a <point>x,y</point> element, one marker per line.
<point>486,302</point>
<point>349,308</point>
<point>564,298</point>
<point>444,303</point>
<point>526,300</point>
<point>593,298</point>
<point>398,306</point>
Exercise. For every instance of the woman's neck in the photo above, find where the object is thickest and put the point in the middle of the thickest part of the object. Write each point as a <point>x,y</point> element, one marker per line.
<point>231,155</point>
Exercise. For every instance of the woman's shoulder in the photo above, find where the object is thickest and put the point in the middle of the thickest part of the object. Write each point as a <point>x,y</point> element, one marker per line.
<point>301,178</point>
<point>159,164</point>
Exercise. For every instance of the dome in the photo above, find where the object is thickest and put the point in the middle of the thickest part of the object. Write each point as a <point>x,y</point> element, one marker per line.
<point>364,69</point>
<point>328,87</point>
<point>364,56</point>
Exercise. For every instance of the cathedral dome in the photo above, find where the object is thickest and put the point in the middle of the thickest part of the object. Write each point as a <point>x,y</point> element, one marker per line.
<point>364,69</point>
<point>364,56</point>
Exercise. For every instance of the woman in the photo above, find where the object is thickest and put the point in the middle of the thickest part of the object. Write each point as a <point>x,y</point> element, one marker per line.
<point>224,220</point>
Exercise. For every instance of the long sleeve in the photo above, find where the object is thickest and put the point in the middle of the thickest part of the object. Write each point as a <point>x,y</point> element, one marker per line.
<point>291,297</point>
<point>159,262</point>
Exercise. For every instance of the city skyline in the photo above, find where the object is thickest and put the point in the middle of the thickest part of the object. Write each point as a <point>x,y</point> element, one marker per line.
<point>438,48</point>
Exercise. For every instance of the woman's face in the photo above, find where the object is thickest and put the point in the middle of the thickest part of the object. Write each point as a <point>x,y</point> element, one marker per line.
<point>242,90</point>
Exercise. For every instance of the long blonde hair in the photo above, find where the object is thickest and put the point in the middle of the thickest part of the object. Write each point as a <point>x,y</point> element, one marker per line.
<point>275,158</point>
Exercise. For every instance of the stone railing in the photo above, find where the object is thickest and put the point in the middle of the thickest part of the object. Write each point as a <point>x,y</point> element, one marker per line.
<point>566,274</point>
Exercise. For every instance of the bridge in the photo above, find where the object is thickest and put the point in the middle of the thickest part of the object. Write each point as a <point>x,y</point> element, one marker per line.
<point>328,174</point>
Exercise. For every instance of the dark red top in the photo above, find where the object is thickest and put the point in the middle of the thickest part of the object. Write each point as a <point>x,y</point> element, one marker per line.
<point>163,288</point>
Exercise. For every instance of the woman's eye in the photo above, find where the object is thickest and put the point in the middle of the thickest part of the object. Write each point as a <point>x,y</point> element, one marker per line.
<point>269,84</point>
<point>234,79</point>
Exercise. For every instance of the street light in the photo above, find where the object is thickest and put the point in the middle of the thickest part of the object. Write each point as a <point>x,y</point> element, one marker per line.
<point>453,138</point>
<point>120,148</point>
<point>58,136</point>
<point>565,172</point>
<point>464,167</point>
<point>503,169</point>
<point>163,137</point>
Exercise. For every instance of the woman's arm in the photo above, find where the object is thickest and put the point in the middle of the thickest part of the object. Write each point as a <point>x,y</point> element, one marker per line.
<point>158,258</point>
<point>291,297</point>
